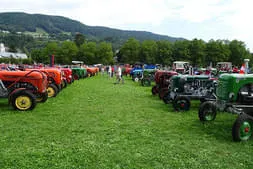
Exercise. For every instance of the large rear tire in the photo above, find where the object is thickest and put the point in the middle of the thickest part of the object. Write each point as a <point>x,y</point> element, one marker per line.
<point>23,100</point>
<point>243,128</point>
<point>207,111</point>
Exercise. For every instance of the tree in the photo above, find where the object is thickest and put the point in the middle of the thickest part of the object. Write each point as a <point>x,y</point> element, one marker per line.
<point>79,39</point>
<point>88,52</point>
<point>67,52</point>
<point>164,52</point>
<point>181,50</point>
<point>104,53</point>
<point>148,52</point>
<point>197,51</point>
<point>50,49</point>
<point>130,51</point>
<point>37,56</point>
<point>217,51</point>
<point>238,52</point>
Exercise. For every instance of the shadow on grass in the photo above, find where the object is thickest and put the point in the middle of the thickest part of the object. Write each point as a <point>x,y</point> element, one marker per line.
<point>220,128</point>
<point>4,105</point>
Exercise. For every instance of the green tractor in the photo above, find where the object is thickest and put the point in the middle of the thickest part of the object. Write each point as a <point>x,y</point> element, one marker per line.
<point>78,73</point>
<point>234,94</point>
<point>148,77</point>
<point>184,88</point>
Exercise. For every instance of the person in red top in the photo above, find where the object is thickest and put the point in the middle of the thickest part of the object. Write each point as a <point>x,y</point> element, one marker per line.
<point>112,70</point>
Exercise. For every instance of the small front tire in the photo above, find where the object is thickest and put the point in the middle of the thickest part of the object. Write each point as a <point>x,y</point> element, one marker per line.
<point>52,90</point>
<point>207,111</point>
<point>41,98</point>
<point>181,103</point>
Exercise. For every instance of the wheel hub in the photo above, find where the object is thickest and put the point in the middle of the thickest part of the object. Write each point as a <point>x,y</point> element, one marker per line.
<point>245,129</point>
<point>23,102</point>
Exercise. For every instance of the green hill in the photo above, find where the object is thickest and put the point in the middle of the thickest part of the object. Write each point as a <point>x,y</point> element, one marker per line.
<point>23,22</point>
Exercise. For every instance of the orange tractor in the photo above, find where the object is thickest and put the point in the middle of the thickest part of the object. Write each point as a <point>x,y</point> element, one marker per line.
<point>55,80</point>
<point>23,88</point>
<point>92,71</point>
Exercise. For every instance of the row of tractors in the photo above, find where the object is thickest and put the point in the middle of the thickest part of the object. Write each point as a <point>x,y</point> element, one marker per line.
<point>25,86</point>
<point>228,92</point>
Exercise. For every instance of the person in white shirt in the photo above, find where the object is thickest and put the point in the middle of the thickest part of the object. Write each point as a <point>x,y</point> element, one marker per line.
<point>110,71</point>
<point>119,75</point>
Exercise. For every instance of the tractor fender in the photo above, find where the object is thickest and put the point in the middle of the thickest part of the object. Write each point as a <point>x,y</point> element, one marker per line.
<point>15,91</point>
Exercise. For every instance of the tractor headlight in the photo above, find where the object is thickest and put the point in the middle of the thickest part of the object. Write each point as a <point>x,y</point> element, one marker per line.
<point>231,95</point>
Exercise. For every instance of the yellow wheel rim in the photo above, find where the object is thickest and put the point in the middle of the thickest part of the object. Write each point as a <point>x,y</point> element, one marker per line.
<point>39,99</point>
<point>50,91</point>
<point>23,102</point>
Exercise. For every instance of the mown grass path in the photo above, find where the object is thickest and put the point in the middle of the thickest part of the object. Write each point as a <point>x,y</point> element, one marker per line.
<point>96,124</point>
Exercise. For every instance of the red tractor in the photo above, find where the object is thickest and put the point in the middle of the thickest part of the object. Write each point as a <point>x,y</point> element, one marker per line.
<point>67,75</point>
<point>162,80</point>
<point>23,88</point>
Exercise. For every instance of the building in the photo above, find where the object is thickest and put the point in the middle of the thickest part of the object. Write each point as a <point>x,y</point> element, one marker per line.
<point>4,54</point>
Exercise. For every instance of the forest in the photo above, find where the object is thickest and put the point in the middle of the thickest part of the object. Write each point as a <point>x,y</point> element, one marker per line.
<point>164,52</point>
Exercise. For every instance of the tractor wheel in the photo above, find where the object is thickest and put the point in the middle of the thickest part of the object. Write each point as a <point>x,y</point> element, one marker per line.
<point>23,100</point>
<point>145,82</point>
<point>243,128</point>
<point>136,79</point>
<point>64,84</point>
<point>166,98</point>
<point>162,92</point>
<point>181,103</point>
<point>52,90</point>
<point>76,77</point>
<point>42,97</point>
<point>207,111</point>
<point>72,80</point>
<point>154,90</point>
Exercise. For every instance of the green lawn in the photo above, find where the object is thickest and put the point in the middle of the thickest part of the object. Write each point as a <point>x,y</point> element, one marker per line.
<point>96,124</point>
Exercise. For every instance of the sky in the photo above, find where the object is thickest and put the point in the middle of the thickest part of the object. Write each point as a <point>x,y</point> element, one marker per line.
<point>201,19</point>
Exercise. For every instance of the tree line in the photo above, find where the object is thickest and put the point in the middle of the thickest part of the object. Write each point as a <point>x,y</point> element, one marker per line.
<point>196,51</point>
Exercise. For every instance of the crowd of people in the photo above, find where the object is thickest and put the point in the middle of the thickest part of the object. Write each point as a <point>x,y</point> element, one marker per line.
<point>114,71</point>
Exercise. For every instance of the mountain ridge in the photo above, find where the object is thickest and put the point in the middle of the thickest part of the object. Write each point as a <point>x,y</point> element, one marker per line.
<point>21,22</point>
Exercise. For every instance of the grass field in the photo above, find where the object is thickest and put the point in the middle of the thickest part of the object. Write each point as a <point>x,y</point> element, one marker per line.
<point>96,124</point>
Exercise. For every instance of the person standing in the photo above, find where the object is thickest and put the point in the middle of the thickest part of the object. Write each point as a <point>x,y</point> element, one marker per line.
<point>110,71</point>
<point>119,75</point>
